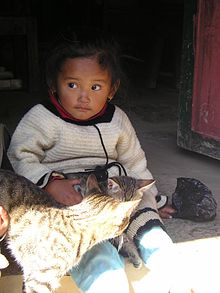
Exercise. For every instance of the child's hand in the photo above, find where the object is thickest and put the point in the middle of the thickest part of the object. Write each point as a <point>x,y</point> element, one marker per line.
<point>63,191</point>
<point>166,212</point>
<point>4,221</point>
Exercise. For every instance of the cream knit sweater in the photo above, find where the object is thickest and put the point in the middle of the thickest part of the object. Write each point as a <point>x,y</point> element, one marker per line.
<point>43,142</point>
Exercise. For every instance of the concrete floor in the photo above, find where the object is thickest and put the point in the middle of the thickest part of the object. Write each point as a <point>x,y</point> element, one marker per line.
<point>153,115</point>
<point>197,244</point>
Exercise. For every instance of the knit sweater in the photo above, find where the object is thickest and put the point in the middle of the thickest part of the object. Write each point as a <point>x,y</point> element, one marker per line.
<point>44,142</point>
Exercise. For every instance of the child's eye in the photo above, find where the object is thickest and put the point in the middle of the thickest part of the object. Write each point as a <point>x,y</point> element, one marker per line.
<point>72,85</point>
<point>96,87</point>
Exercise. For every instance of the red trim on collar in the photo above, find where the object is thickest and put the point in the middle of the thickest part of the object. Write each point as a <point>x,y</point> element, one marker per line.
<point>64,114</point>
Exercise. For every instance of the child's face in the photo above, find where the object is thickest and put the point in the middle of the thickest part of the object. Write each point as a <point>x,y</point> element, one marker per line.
<point>83,87</point>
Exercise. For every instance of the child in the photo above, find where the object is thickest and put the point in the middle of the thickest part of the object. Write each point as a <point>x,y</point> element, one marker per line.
<point>77,130</point>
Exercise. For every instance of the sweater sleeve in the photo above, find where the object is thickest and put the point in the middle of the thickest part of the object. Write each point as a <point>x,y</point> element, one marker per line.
<point>34,135</point>
<point>131,154</point>
<point>145,217</point>
<point>133,158</point>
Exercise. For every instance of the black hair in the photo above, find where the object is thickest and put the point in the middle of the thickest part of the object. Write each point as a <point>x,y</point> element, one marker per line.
<point>106,51</point>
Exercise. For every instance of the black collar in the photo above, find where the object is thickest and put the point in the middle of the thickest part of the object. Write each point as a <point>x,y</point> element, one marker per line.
<point>104,118</point>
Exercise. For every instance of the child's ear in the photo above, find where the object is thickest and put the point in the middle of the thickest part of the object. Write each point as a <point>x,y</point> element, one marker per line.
<point>114,88</point>
<point>52,90</point>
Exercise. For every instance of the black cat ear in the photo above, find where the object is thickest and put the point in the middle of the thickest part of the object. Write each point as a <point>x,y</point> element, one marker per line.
<point>92,185</point>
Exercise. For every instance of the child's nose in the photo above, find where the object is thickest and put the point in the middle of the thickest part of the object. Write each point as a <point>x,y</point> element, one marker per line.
<point>83,96</point>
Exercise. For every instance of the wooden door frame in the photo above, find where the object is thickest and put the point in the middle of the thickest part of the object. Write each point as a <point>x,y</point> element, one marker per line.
<point>186,138</point>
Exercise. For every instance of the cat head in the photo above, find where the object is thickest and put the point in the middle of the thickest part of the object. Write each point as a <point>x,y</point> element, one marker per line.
<point>109,215</point>
<point>102,214</point>
<point>128,188</point>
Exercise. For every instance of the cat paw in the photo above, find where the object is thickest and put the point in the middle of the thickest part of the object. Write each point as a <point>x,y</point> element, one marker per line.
<point>136,261</point>
<point>137,265</point>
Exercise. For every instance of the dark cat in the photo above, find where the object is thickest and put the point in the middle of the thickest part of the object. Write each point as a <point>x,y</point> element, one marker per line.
<point>46,237</point>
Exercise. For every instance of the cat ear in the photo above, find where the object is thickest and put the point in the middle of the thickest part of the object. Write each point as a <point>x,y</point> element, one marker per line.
<point>92,185</point>
<point>145,184</point>
<point>113,186</point>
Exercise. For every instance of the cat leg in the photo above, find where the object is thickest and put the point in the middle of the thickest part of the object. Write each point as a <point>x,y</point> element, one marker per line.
<point>37,282</point>
<point>155,246</point>
<point>100,268</point>
<point>36,287</point>
<point>127,248</point>
<point>130,250</point>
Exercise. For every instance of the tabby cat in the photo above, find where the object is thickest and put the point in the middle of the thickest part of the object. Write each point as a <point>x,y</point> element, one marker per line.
<point>45,237</point>
<point>126,188</point>
<point>123,188</point>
